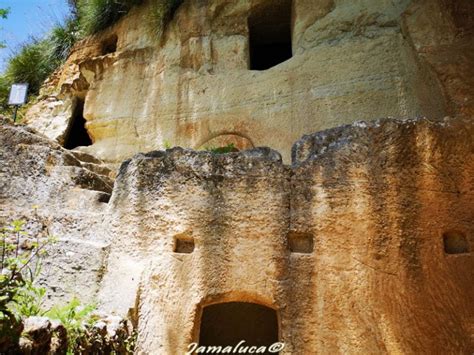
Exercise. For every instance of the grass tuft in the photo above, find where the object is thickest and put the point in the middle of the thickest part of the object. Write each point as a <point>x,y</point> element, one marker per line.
<point>161,14</point>
<point>39,58</point>
<point>97,15</point>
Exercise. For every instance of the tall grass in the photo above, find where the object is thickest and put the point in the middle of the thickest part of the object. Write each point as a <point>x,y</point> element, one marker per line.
<point>38,58</point>
<point>97,15</point>
<point>31,65</point>
<point>62,38</point>
<point>161,13</point>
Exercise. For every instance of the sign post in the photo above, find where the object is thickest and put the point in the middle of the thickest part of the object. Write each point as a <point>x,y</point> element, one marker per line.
<point>18,93</point>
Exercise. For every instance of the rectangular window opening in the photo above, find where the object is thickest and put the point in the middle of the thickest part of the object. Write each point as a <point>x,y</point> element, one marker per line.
<point>270,35</point>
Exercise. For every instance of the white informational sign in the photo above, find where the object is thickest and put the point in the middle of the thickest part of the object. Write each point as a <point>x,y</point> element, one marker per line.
<point>18,94</point>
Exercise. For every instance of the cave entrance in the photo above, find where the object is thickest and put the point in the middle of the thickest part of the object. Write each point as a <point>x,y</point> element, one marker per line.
<point>270,35</point>
<point>109,45</point>
<point>77,135</point>
<point>226,324</point>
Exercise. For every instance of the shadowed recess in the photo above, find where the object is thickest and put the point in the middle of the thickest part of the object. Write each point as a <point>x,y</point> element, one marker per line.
<point>226,324</point>
<point>455,243</point>
<point>300,243</point>
<point>183,245</point>
<point>270,35</point>
<point>77,135</point>
<point>109,45</point>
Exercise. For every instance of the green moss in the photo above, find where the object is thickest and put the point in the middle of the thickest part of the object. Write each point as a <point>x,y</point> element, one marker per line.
<point>229,148</point>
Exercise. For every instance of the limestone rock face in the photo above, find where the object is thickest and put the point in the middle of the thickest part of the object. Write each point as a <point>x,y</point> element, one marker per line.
<point>381,200</point>
<point>49,187</point>
<point>192,87</point>
<point>363,245</point>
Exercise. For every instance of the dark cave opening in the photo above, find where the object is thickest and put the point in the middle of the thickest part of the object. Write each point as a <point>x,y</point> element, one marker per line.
<point>109,45</point>
<point>77,135</point>
<point>270,35</point>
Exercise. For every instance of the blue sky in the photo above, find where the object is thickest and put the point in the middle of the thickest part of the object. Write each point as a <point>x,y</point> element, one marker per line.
<point>28,18</point>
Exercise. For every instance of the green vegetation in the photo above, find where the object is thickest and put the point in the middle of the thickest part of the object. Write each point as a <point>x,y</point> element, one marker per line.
<point>19,265</point>
<point>36,60</point>
<point>3,15</point>
<point>4,92</point>
<point>31,64</point>
<point>97,15</point>
<point>28,301</point>
<point>161,13</point>
<point>20,261</point>
<point>74,317</point>
<point>229,148</point>
<point>61,40</point>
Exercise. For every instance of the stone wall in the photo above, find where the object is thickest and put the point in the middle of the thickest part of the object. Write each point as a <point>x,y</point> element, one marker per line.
<point>364,245</point>
<point>193,88</point>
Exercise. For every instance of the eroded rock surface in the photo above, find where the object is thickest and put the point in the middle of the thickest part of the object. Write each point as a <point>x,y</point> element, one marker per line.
<point>49,187</point>
<point>351,245</point>
<point>364,244</point>
<point>350,61</point>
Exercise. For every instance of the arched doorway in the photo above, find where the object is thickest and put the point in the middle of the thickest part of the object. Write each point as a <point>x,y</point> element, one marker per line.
<point>226,324</point>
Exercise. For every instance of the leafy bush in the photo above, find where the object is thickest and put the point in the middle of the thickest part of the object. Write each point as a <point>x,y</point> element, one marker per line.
<point>19,264</point>
<point>75,318</point>
<point>28,301</point>
<point>20,259</point>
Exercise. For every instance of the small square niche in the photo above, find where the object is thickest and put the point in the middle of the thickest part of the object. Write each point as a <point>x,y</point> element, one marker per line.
<point>302,243</point>
<point>183,245</point>
<point>455,242</point>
